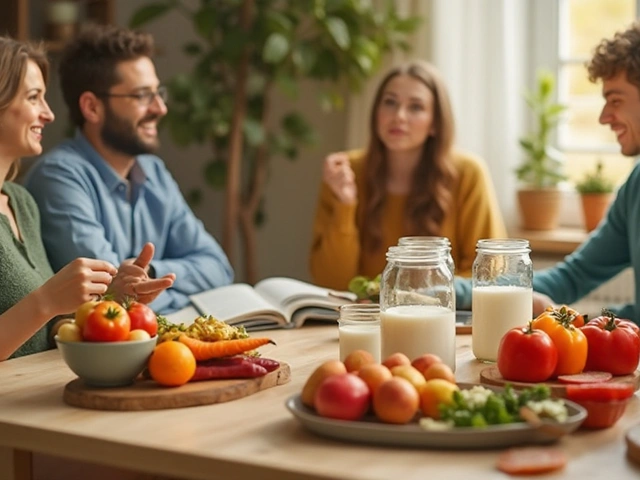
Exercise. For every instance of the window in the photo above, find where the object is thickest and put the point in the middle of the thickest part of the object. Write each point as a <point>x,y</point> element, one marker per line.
<point>581,25</point>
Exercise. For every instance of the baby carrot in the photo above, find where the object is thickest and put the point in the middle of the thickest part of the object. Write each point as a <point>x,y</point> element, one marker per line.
<point>222,348</point>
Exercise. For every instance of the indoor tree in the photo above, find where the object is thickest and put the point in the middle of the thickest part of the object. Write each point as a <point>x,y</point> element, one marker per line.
<point>245,49</point>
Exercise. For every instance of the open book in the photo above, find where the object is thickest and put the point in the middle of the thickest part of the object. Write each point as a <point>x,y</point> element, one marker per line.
<point>275,302</point>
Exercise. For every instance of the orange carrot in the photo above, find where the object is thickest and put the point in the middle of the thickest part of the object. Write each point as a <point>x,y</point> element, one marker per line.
<point>203,350</point>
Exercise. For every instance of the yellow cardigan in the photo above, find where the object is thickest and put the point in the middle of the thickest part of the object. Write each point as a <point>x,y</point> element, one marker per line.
<point>335,252</point>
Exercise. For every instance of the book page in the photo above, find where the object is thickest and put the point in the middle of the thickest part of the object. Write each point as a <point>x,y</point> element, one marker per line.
<point>290,295</point>
<point>237,303</point>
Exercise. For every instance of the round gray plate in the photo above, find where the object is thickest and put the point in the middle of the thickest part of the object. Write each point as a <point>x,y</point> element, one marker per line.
<point>370,430</point>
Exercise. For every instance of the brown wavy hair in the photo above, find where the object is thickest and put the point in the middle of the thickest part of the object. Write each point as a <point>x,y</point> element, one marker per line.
<point>88,62</point>
<point>14,56</point>
<point>616,55</point>
<point>430,196</point>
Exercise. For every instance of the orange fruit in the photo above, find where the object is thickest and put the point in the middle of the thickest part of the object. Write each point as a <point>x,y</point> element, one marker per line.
<point>396,401</point>
<point>172,364</point>
<point>358,359</point>
<point>373,375</point>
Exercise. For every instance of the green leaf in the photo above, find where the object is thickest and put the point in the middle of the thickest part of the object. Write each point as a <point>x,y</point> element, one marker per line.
<point>253,131</point>
<point>288,85</point>
<point>339,32</point>
<point>215,174</point>
<point>205,22</point>
<point>148,13</point>
<point>275,48</point>
<point>192,48</point>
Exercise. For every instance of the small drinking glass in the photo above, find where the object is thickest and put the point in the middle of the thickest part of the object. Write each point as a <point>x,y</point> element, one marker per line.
<point>359,329</point>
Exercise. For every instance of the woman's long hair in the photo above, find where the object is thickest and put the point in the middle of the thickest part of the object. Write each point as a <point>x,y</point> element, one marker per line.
<point>430,196</point>
<point>14,56</point>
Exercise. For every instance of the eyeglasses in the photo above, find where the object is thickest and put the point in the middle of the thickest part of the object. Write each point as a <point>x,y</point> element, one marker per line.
<point>143,98</point>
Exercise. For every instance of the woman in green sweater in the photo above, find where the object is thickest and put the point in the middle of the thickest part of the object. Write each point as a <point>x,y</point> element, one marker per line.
<point>31,296</point>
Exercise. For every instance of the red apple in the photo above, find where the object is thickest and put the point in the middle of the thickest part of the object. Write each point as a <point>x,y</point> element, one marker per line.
<point>345,396</point>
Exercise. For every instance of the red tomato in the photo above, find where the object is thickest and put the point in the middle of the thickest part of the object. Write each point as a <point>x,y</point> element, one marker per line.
<point>614,345</point>
<point>142,317</point>
<point>527,355</point>
<point>601,392</point>
<point>108,322</point>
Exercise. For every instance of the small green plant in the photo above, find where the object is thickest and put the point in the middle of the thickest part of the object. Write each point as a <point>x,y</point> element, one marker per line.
<point>543,167</point>
<point>595,182</point>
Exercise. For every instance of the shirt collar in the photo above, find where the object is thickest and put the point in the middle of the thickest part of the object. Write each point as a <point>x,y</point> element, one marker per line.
<point>109,176</point>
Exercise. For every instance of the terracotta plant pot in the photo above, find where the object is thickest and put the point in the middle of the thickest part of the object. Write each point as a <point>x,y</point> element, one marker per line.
<point>539,209</point>
<point>594,207</point>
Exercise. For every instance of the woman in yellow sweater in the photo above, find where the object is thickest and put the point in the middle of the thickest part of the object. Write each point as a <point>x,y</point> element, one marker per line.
<point>409,181</point>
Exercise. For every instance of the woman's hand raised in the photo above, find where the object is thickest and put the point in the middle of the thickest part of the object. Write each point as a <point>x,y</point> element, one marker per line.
<point>80,281</point>
<point>339,176</point>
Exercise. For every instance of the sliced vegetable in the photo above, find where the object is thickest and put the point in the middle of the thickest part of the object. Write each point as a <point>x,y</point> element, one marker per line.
<point>531,460</point>
<point>600,392</point>
<point>586,377</point>
<point>222,348</point>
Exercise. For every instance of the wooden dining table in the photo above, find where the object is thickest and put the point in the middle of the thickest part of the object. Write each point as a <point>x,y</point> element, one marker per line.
<point>255,437</point>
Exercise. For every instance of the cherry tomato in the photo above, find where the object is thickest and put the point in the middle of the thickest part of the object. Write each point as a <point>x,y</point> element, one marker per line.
<point>614,345</point>
<point>108,322</point>
<point>527,355</point>
<point>142,317</point>
<point>569,340</point>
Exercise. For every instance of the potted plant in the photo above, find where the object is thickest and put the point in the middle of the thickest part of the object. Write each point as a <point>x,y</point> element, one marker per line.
<point>245,50</point>
<point>596,192</point>
<point>541,172</point>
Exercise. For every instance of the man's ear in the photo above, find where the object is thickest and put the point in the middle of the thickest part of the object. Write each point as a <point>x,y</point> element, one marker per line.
<point>91,107</point>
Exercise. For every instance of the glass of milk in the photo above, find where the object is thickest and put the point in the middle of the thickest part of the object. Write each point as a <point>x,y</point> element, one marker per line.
<point>359,329</point>
<point>417,303</point>
<point>502,293</point>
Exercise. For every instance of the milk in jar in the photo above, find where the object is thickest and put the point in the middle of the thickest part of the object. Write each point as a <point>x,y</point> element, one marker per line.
<point>502,294</point>
<point>417,303</point>
<point>418,329</point>
<point>496,310</point>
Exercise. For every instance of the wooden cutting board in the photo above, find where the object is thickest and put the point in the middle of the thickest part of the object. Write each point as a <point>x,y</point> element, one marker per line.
<point>633,444</point>
<point>148,395</point>
<point>491,376</point>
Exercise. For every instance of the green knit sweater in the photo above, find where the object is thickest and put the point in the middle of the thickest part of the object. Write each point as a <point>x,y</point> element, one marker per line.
<point>23,264</point>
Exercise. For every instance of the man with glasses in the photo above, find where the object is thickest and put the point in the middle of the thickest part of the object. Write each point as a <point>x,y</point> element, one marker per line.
<point>103,194</point>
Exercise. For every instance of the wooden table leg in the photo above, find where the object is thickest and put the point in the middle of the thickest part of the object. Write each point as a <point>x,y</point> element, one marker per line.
<point>15,464</point>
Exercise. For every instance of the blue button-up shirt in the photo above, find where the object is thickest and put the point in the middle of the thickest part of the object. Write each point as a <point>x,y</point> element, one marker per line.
<point>88,210</point>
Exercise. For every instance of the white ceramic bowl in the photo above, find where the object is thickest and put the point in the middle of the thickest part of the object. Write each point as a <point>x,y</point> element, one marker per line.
<point>107,364</point>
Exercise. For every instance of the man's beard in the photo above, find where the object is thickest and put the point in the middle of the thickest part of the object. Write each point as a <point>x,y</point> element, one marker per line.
<point>121,136</point>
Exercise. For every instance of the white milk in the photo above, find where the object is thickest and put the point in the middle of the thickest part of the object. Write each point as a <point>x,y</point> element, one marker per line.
<point>359,337</point>
<point>418,329</point>
<point>494,311</point>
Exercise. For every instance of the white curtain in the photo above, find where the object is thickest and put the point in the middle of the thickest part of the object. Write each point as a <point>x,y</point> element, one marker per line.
<point>481,50</point>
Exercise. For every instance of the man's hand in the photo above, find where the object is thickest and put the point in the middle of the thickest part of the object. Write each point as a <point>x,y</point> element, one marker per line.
<point>540,303</point>
<point>132,279</point>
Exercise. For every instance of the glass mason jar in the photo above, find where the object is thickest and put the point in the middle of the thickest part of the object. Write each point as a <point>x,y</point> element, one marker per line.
<point>359,329</point>
<point>417,304</point>
<point>443,242</point>
<point>502,293</point>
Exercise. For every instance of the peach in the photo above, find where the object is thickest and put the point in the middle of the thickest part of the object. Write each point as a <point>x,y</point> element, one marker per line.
<point>396,359</point>
<point>424,361</point>
<point>345,397</point>
<point>327,369</point>
<point>435,392</point>
<point>396,401</point>
<point>373,375</point>
<point>440,370</point>
<point>358,359</point>
<point>409,373</point>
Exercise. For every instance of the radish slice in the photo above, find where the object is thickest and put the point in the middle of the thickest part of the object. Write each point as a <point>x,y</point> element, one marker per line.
<point>531,460</point>
<point>586,377</point>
